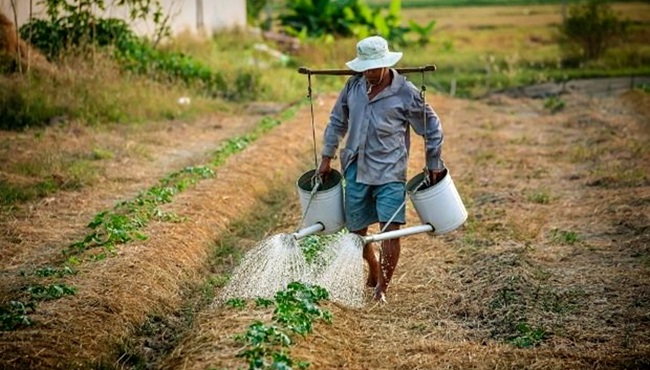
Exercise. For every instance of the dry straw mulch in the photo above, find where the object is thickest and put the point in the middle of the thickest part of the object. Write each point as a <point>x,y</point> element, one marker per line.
<point>116,295</point>
<point>512,289</point>
<point>554,254</point>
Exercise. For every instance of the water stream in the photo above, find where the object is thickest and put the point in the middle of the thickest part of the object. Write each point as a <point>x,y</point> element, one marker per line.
<point>278,260</point>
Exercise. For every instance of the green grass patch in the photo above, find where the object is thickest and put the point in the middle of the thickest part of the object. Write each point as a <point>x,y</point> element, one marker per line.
<point>539,197</point>
<point>527,336</point>
<point>565,237</point>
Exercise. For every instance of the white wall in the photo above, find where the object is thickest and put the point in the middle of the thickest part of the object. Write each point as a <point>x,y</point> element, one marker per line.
<point>22,10</point>
<point>217,14</point>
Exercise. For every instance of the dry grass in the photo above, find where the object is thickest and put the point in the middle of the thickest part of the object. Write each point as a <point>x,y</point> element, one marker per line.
<point>512,289</point>
<point>566,277</point>
<point>117,294</point>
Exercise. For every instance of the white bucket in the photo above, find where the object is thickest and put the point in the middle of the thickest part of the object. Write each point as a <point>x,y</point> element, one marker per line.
<point>438,205</point>
<point>326,206</point>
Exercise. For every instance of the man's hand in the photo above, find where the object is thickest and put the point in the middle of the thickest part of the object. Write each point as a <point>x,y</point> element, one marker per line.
<point>324,169</point>
<point>436,175</point>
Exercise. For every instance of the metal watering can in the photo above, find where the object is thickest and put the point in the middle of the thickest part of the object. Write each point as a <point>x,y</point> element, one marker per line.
<point>438,206</point>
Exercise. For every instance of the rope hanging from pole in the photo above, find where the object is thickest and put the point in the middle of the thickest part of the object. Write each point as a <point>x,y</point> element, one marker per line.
<point>423,96</point>
<point>313,125</point>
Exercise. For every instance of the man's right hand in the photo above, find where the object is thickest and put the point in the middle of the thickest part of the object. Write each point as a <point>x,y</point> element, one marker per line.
<point>324,169</point>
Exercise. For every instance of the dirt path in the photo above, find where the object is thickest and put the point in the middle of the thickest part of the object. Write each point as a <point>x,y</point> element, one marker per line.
<point>550,270</point>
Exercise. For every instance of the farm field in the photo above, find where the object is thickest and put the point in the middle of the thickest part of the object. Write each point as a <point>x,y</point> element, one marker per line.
<point>550,271</point>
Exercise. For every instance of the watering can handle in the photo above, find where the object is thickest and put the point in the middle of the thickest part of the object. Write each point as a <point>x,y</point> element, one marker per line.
<point>316,182</point>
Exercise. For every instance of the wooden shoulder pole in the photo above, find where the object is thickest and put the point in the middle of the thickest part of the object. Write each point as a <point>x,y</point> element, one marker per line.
<point>349,72</point>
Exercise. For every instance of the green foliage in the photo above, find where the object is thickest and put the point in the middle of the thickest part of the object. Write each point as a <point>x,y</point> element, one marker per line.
<point>296,309</point>
<point>239,143</point>
<point>540,197</point>
<point>527,337</point>
<point>49,271</point>
<point>137,55</point>
<point>48,292</point>
<point>462,3</point>
<point>22,108</point>
<point>422,31</point>
<point>565,237</point>
<point>236,303</point>
<point>253,10</point>
<point>263,302</point>
<point>313,245</point>
<point>15,314</point>
<point>554,104</point>
<point>124,222</point>
<point>592,27</point>
<point>320,18</point>
<point>74,24</point>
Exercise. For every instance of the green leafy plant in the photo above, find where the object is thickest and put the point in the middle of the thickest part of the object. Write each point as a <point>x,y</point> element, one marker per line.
<point>124,222</point>
<point>423,32</point>
<point>49,292</point>
<point>75,23</point>
<point>49,271</point>
<point>527,336</point>
<point>296,309</point>
<point>253,10</point>
<point>554,104</point>
<point>319,18</point>
<point>15,314</point>
<point>313,245</point>
<point>239,143</point>
<point>263,302</point>
<point>236,303</point>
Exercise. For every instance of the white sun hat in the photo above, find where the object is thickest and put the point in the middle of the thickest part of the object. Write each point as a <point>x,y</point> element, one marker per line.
<point>372,52</point>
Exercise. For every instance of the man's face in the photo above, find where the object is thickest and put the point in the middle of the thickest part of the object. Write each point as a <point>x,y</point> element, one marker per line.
<point>374,76</point>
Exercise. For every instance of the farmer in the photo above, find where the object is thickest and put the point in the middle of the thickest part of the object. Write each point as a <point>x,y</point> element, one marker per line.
<point>376,109</point>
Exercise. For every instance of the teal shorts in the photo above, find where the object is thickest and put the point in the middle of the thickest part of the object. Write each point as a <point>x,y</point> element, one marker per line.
<point>369,204</point>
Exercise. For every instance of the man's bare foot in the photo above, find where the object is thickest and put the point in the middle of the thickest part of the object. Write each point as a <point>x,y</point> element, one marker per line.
<point>380,295</point>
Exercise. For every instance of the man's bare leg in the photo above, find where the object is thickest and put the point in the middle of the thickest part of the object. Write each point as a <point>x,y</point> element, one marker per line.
<point>371,258</point>
<point>390,250</point>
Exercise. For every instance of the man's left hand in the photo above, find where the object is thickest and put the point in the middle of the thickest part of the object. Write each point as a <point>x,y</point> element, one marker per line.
<point>435,176</point>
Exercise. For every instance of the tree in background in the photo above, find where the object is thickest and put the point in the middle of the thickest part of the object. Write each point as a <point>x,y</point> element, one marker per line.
<point>590,29</point>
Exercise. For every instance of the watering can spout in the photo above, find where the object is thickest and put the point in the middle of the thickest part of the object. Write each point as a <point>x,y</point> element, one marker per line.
<point>313,229</point>
<point>398,233</point>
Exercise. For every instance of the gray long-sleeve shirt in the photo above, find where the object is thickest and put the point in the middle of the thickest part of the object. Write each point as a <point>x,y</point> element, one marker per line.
<point>378,130</point>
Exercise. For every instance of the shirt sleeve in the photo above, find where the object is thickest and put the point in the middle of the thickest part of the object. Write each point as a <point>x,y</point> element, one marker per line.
<point>337,126</point>
<point>427,125</point>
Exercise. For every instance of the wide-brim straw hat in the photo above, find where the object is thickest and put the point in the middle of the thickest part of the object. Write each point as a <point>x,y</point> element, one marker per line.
<point>372,52</point>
